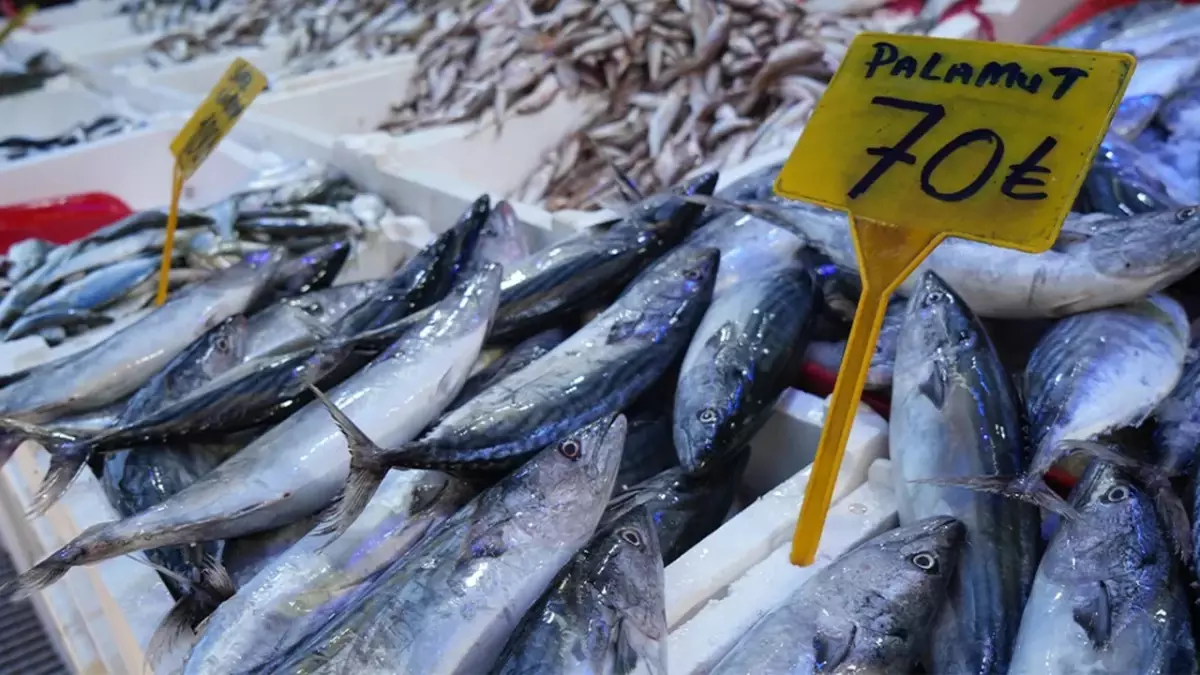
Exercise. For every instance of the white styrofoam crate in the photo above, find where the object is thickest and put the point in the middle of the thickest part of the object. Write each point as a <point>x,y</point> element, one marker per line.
<point>45,113</point>
<point>698,641</point>
<point>74,14</point>
<point>136,167</point>
<point>82,38</point>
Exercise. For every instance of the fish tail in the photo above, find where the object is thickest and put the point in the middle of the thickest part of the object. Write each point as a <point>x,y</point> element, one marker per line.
<point>66,461</point>
<point>1028,488</point>
<point>366,473</point>
<point>198,602</point>
<point>35,579</point>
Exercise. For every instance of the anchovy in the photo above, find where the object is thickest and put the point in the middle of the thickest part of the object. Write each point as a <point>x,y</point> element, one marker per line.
<point>122,363</point>
<point>504,238</point>
<point>604,614</point>
<point>1096,372</point>
<point>685,508</point>
<point>595,372</point>
<point>297,467</point>
<point>1109,595</point>
<point>522,354</point>
<point>955,413</point>
<point>450,604</point>
<point>749,345</point>
<point>593,265</point>
<point>1097,262</point>
<point>869,611</point>
<point>1177,435</point>
<point>295,594</point>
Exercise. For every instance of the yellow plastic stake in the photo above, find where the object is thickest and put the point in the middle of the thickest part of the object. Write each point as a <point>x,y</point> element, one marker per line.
<point>922,138</point>
<point>16,22</point>
<point>213,119</point>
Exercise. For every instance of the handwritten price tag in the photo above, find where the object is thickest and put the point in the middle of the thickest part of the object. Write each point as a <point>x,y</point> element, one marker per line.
<point>922,138</point>
<point>224,106</point>
<point>216,115</point>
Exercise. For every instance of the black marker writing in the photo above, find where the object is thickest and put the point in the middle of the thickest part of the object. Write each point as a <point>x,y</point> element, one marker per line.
<point>1069,77</point>
<point>899,152</point>
<point>962,141</point>
<point>1019,173</point>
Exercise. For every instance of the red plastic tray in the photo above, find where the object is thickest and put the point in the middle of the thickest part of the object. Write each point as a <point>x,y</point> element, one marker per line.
<point>59,219</point>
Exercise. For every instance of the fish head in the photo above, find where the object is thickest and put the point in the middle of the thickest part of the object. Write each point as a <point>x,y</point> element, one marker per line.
<point>575,473</point>
<point>626,568</point>
<point>501,239</point>
<point>468,229</point>
<point>312,270</point>
<point>223,347</point>
<point>691,275</point>
<point>1162,245</point>
<point>757,186</point>
<point>898,579</point>
<point>1117,531</point>
<point>256,268</point>
<point>711,397</point>
<point>939,336</point>
<point>667,216</point>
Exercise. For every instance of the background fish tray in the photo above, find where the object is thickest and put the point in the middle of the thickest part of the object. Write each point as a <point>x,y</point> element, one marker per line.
<point>52,111</point>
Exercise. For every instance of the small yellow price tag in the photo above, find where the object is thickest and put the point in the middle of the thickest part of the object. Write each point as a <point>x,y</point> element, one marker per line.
<point>921,138</point>
<point>17,21</point>
<point>212,120</point>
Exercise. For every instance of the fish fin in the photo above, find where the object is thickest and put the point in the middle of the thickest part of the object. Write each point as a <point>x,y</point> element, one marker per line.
<point>934,386</point>
<point>66,461</point>
<point>204,595</point>
<point>625,655</point>
<point>366,473</point>
<point>52,568</point>
<point>1027,489</point>
<point>1092,612</point>
<point>830,648</point>
<point>44,435</point>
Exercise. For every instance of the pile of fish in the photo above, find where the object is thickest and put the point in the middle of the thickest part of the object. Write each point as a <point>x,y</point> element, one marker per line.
<point>111,275</point>
<point>690,86</point>
<point>317,34</point>
<point>13,148</point>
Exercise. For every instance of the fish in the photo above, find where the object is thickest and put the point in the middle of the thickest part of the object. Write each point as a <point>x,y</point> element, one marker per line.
<point>503,239</point>
<point>31,287</point>
<point>1154,81</point>
<point>311,271</point>
<point>597,371</point>
<point>292,596</point>
<point>1098,261</point>
<point>120,364</point>
<point>142,221</point>
<point>955,412</point>
<point>25,256</point>
<point>450,604</point>
<point>1123,181</point>
<point>648,449</point>
<point>745,351</point>
<point>880,373</point>
<point>1092,33</point>
<point>1069,386</point>
<point>249,554</point>
<point>1109,595</point>
<point>595,264</point>
<point>686,508</point>
<point>296,323</point>
<point>284,221</point>
<point>1154,31</point>
<point>522,354</point>
<point>297,467</point>
<point>605,613</point>
<point>105,253</point>
<point>69,319</point>
<point>99,288</point>
<point>1177,433</point>
<point>868,611</point>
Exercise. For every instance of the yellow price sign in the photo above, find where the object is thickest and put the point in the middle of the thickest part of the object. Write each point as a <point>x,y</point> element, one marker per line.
<point>922,138</point>
<point>213,119</point>
<point>17,21</point>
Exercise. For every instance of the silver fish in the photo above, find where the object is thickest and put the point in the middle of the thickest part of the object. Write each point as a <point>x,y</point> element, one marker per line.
<point>123,362</point>
<point>1177,435</point>
<point>1098,261</point>
<point>604,614</point>
<point>297,467</point>
<point>26,291</point>
<point>503,239</point>
<point>450,604</point>
<point>955,413</point>
<point>293,324</point>
<point>1109,595</point>
<point>25,256</point>
<point>294,595</point>
<point>107,253</point>
<point>99,288</point>
<point>867,612</point>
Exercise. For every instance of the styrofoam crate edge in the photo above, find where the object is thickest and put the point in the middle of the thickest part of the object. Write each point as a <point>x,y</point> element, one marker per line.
<point>750,536</point>
<point>695,646</point>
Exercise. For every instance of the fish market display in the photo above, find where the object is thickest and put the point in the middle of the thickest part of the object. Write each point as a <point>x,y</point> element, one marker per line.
<point>955,413</point>
<point>30,73</point>
<point>691,86</point>
<point>868,611</point>
<point>614,587</point>
<point>1109,596</point>
<point>13,148</point>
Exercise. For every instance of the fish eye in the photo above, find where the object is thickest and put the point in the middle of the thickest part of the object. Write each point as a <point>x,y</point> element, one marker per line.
<point>1116,493</point>
<point>926,562</point>
<point>631,537</point>
<point>707,416</point>
<point>222,344</point>
<point>692,274</point>
<point>933,298</point>
<point>312,308</point>
<point>1185,214</point>
<point>569,449</point>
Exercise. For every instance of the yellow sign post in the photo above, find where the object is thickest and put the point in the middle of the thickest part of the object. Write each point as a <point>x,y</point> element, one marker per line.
<point>16,22</point>
<point>212,120</point>
<point>922,138</point>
